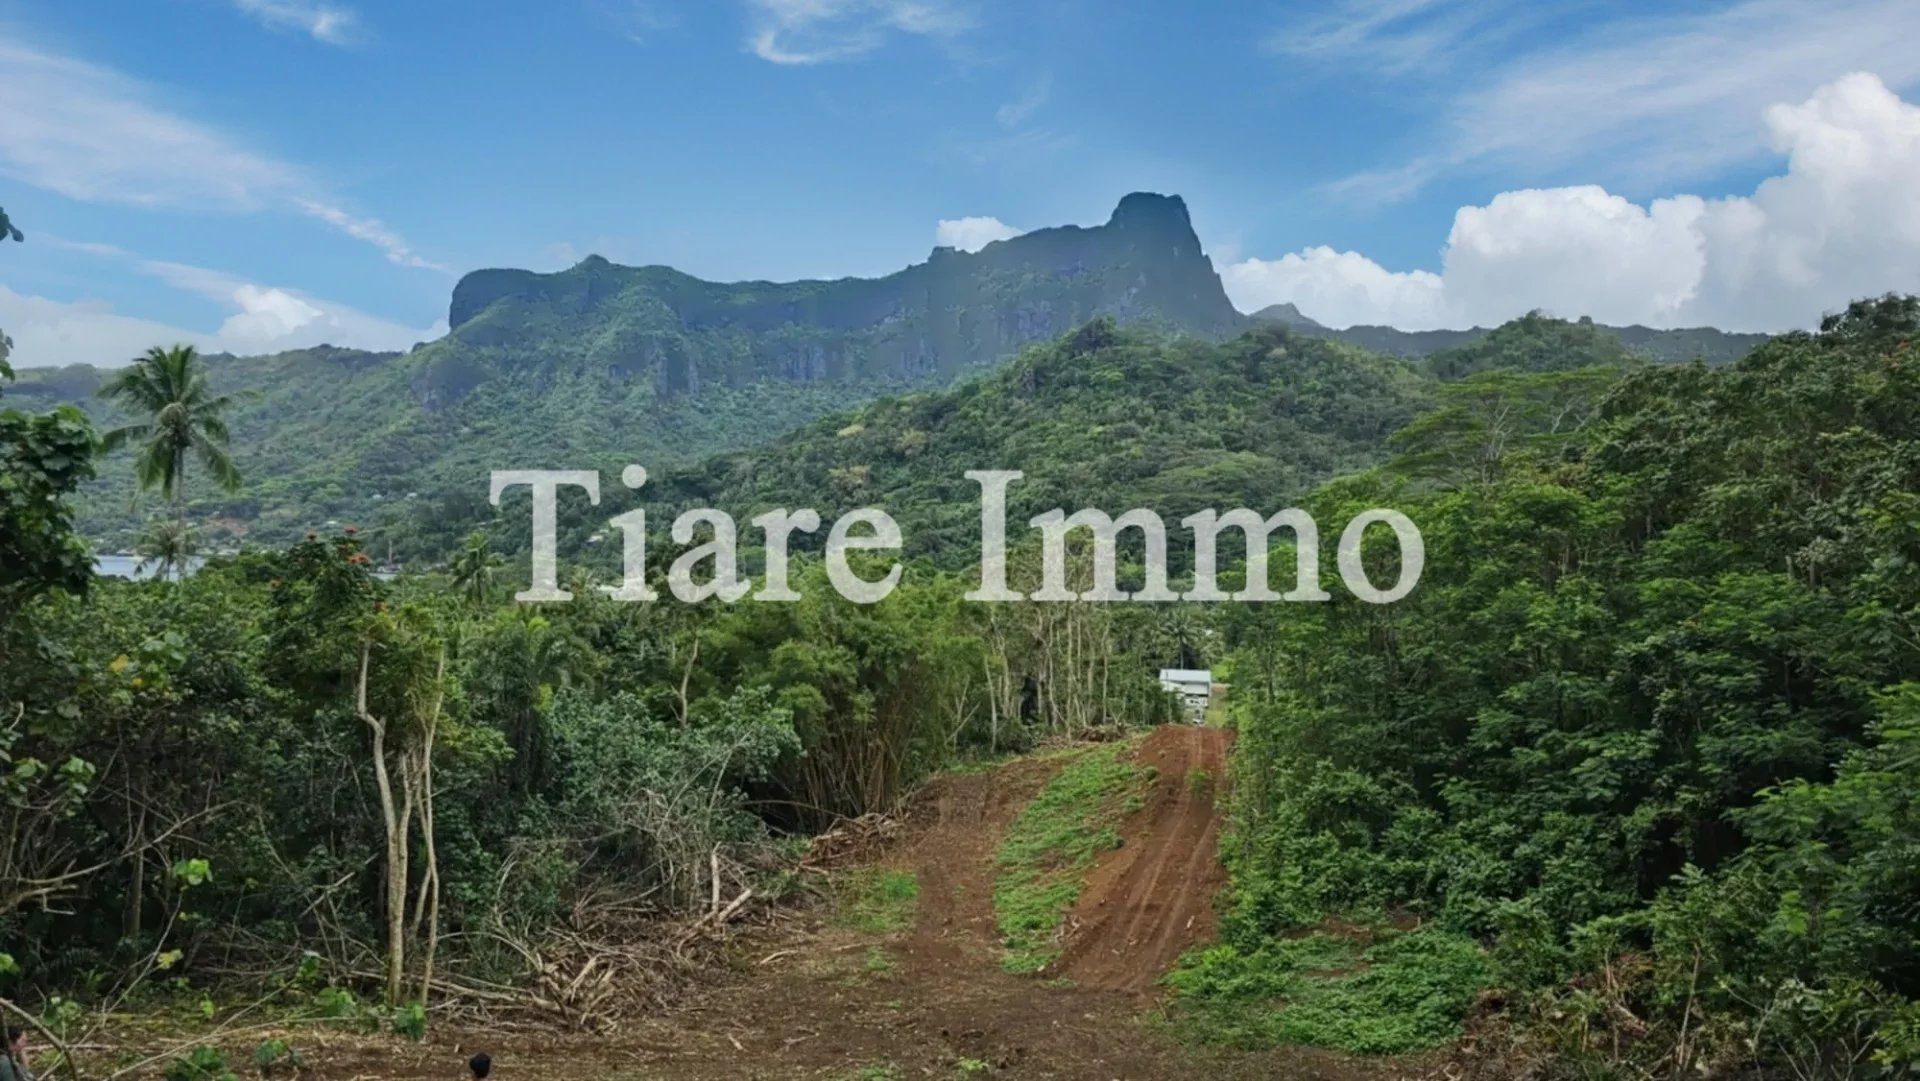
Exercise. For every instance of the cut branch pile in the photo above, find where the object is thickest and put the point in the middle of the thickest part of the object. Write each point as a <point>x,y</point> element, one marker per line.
<point>850,841</point>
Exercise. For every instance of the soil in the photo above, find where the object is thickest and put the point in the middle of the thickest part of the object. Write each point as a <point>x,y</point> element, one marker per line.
<point>809,999</point>
<point>1152,899</point>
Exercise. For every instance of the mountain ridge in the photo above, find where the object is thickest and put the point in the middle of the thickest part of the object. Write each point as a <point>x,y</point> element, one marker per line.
<point>601,364</point>
<point>1670,344</point>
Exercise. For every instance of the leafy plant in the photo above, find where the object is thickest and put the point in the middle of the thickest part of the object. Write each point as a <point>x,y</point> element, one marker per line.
<point>275,1055</point>
<point>200,1064</point>
<point>410,1021</point>
<point>1402,992</point>
<point>1052,845</point>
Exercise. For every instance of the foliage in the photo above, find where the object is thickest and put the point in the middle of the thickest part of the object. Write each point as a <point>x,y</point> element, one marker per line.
<point>274,1055</point>
<point>1400,992</point>
<point>472,568</point>
<point>1533,343</point>
<point>1053,844</point>
<point>179,416</point>
<point>1667,345</point>
<point>1639,753</point>
<point>43,459</point>
<point>1644,724</point>
<point>200,1064</point>
<point>648,798</point>
<point>1104,418</point>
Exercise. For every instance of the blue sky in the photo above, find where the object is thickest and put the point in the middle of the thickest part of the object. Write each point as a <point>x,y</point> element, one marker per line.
<point>262,173</point>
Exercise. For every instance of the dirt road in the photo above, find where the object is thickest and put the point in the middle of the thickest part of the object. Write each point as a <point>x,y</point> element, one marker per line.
<point>1152,899</point>
<point>819,1001</point>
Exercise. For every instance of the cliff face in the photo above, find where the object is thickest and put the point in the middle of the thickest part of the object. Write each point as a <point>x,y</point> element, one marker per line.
<point>922,325</point>
<point>600,365</point>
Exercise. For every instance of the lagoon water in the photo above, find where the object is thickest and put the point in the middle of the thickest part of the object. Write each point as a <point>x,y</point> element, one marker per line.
<point>111,566</point>
<point>128,567</point>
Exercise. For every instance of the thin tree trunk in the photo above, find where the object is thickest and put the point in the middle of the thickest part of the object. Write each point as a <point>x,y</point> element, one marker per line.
<point>396,838</point>
<point>185,545</point>
<point>430,883</point>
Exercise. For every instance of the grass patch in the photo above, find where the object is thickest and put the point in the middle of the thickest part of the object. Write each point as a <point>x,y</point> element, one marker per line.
<point>876,900</point>
<point>1200,782</point>
<point>1405,992</point>
<point>1052,845</point>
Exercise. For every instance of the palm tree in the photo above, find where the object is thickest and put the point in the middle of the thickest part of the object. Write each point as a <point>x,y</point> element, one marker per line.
<point>472,568</point>
<point>165,546</point>
<point>181,417</point>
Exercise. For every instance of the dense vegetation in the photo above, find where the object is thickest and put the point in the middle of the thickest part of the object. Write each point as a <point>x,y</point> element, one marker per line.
<point>1104,417</point>
<point>1647,728</point>
<point>1056,839</point>
<point>1681,344</point>
<point>284,770</point>
<point>1632,773</point>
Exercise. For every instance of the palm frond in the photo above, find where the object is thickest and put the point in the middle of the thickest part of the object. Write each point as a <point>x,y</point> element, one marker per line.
<point>169,387</point>
<point>217,461</point>
<point>123,435</point>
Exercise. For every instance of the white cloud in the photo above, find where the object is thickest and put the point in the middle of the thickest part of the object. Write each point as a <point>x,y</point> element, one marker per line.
<point>1397,36</point>
<point>971,234</point>
<point>817,31</point>
<point>640,20</point>
<point>371,230</point>
<point>1016,112</point>
<point>47,332</point>
<point>82,131</point>
<point>262,319</point>
<point>1842,221</point>
<point>1649,98</point>
<point>322,22</point>
<point>87,133</point>
<point>1338,288</point>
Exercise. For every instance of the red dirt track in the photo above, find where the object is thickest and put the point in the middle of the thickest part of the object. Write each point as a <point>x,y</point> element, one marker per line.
<point>805,999</point>
<point>1151,900</point>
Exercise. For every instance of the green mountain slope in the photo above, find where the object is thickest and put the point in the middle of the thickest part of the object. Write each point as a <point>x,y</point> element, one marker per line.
<point>1678,344</point>
<point>1109,418</point>
<point>1103,417</point>
<point>602,364</point>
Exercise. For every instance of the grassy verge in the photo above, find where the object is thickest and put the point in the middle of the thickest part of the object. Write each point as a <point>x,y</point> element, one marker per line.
<point>1404,992</point>
<point>876,900</point>
<point>1052,845</point>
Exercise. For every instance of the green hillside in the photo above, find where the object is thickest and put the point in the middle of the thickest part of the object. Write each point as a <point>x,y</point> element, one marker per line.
<point>1677,344</point>
<point>1104,417</point>
<point>601,364</point>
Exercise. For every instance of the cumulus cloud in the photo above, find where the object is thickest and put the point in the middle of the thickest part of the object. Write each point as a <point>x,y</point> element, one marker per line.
<point>48,332</point>
<point>971,234</point>
<point>321,22</point>
<point>1624,89</point>
<point>1842,221</point>
<point>88,133</point>
<point>818,31</point>
<point>261,319</point>
<point>1338,288</point>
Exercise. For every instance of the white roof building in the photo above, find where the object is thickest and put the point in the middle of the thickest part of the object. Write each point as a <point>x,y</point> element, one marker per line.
<point>1193,685</point>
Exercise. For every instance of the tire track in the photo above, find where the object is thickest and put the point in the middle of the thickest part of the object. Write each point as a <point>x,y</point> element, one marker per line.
<point>1152,899</point>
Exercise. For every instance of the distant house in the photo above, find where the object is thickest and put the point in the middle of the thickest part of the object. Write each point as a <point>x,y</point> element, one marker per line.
<point>1193,685</point>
